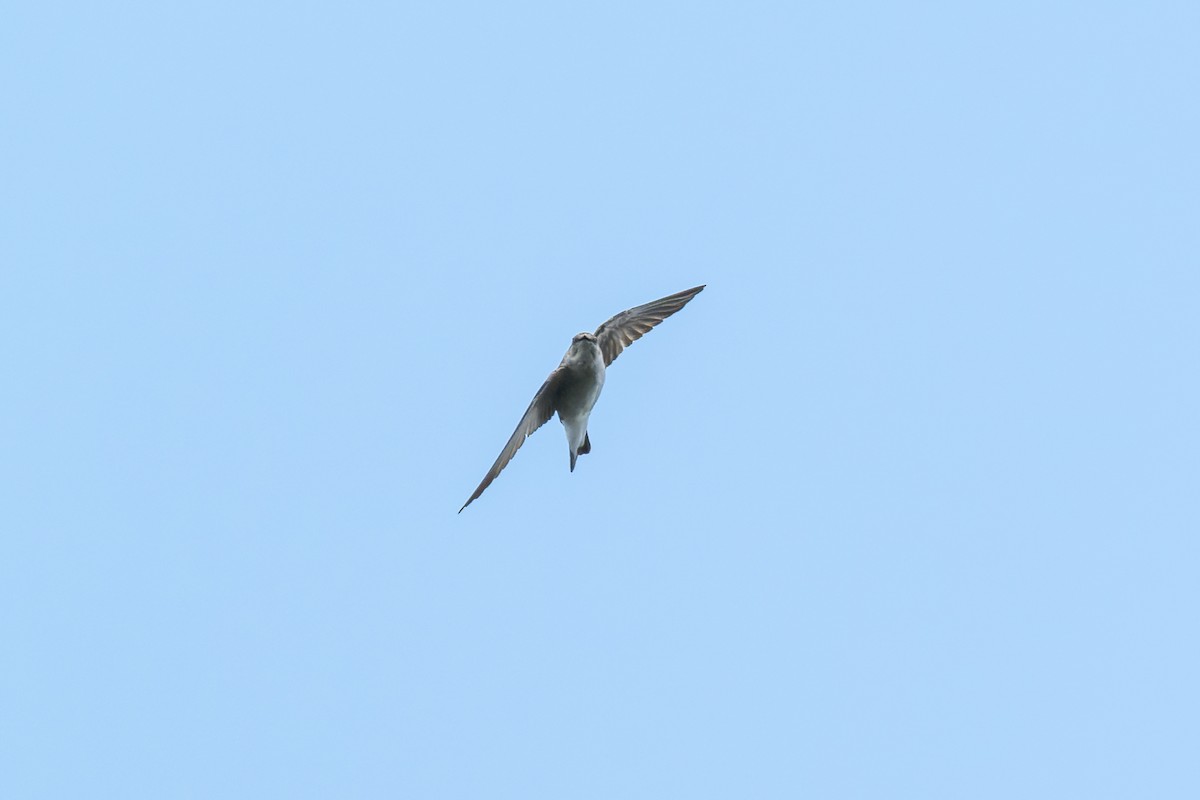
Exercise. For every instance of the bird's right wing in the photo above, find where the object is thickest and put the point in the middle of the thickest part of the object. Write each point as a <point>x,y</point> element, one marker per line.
<point>539,411</point>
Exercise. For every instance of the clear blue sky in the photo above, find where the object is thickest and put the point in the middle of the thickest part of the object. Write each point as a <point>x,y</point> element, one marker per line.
<point>905,504</point>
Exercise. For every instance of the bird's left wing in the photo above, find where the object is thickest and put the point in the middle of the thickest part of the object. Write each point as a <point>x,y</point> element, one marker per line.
<point>627,327</point>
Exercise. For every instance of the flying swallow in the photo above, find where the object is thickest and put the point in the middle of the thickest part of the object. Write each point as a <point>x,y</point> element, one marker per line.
<point>573,388</point>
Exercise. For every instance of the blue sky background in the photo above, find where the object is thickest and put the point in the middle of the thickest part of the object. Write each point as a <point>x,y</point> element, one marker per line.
<point>903,505</point>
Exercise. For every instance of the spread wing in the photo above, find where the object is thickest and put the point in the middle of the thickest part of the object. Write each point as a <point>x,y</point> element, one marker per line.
<point>539,411</point>
<point>627,327</point>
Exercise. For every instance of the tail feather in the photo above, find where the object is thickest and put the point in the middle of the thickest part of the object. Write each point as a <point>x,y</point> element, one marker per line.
<point>584,449</point>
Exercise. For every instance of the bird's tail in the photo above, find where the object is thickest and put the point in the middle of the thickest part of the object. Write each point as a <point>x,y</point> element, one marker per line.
<point>584,449</point>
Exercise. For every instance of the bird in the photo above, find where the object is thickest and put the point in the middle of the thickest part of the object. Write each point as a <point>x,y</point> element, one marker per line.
<point>574,386</point>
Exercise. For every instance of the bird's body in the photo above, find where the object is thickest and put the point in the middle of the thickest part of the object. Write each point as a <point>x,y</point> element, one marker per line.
<point>573,388</point>
<point>581,386</point>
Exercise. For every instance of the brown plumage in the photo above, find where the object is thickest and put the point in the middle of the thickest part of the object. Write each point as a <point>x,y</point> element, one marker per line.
<point>574,386</point>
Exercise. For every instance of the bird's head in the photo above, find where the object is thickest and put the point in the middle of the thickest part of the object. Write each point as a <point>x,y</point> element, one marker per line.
<point>583,337</point>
